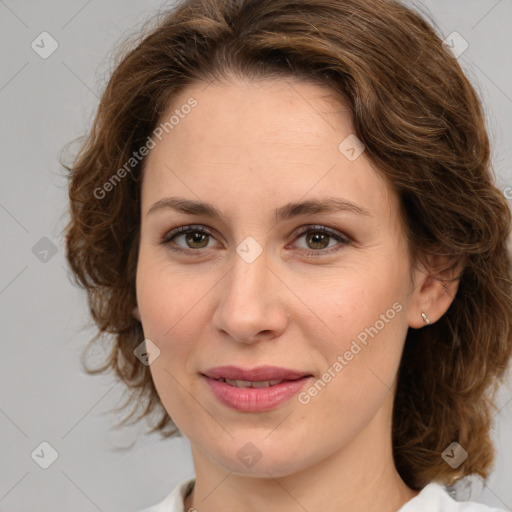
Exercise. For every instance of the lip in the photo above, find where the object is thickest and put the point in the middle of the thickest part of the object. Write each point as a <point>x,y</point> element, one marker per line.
<point>257,373</point>
<point>254,399</point>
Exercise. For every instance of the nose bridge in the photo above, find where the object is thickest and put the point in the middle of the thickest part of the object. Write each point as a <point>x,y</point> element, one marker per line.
<point>248,278</point>
<point>249,304</point>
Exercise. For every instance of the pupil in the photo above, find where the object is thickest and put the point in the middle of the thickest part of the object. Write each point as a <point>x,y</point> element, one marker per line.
<point>196,238</point>
<point>318,238</point>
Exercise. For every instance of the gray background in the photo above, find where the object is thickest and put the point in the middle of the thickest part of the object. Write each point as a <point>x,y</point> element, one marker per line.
<point>45,103</point>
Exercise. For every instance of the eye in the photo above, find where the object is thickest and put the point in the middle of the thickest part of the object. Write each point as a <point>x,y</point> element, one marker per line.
<point>319,238</point>
<point>316,237</point>
<point>194,237</point>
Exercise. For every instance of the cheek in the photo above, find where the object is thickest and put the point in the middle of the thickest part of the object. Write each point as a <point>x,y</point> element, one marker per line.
<point>365,313</point>
<point>165,296</point>
<point>169,306</point>
<point>165,322</point>
<point>363,300</point>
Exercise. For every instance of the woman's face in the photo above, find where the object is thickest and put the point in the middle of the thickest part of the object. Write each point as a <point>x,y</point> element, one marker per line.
<point>321,290</point>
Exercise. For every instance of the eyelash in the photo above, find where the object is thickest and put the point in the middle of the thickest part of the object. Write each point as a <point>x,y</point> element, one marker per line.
<point>182,230</point>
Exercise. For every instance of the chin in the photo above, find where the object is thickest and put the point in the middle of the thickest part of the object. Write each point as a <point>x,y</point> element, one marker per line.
<point>262,458</point>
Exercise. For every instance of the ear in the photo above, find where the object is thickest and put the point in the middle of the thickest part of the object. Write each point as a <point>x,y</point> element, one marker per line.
<point>434,290</point>
<point>136,313</point>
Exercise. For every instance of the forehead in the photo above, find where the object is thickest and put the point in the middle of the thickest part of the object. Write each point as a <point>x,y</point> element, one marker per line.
<point>268,142</point>
<point>271,112</point>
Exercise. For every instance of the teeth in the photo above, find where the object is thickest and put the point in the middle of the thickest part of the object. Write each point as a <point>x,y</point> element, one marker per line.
<point>252,384</point>
<point>239,383</point>
<point>261,384</point>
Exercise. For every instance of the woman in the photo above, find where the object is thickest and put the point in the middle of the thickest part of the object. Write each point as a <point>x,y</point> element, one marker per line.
<point>285,218</point>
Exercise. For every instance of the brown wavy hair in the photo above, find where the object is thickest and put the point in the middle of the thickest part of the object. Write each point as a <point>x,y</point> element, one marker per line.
<point>424,130</point>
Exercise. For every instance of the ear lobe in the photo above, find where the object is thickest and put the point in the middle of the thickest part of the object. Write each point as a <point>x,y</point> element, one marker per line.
<point>136,313</point>
<point>434,292</point>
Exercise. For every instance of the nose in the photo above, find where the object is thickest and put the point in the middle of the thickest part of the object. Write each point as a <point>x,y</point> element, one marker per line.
<point>252,302</point>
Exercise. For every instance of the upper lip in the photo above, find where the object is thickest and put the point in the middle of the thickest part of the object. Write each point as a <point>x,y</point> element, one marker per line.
<point>259,373</point>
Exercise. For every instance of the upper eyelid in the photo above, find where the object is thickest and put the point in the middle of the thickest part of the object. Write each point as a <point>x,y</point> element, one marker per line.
<point>318,227</point>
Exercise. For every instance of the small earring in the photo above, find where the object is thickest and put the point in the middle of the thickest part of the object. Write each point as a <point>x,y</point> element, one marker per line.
<point>425,317</point>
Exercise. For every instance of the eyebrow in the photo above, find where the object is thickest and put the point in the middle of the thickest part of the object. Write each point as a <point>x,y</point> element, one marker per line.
<point>288,211</point>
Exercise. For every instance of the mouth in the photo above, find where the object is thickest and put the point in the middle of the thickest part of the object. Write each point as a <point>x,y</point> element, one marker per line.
<point>258,384</point>
<point>254,390</point>
<point>262,376</point>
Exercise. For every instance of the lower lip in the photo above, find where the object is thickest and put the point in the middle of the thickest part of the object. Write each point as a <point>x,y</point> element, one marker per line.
<point>255,399</point>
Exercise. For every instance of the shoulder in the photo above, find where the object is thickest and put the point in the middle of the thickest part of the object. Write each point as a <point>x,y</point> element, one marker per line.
<point>435,498</point>
<point>174,501</point>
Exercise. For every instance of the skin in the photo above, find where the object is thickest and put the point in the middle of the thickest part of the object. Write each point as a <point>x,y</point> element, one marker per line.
<point>249,148</point>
